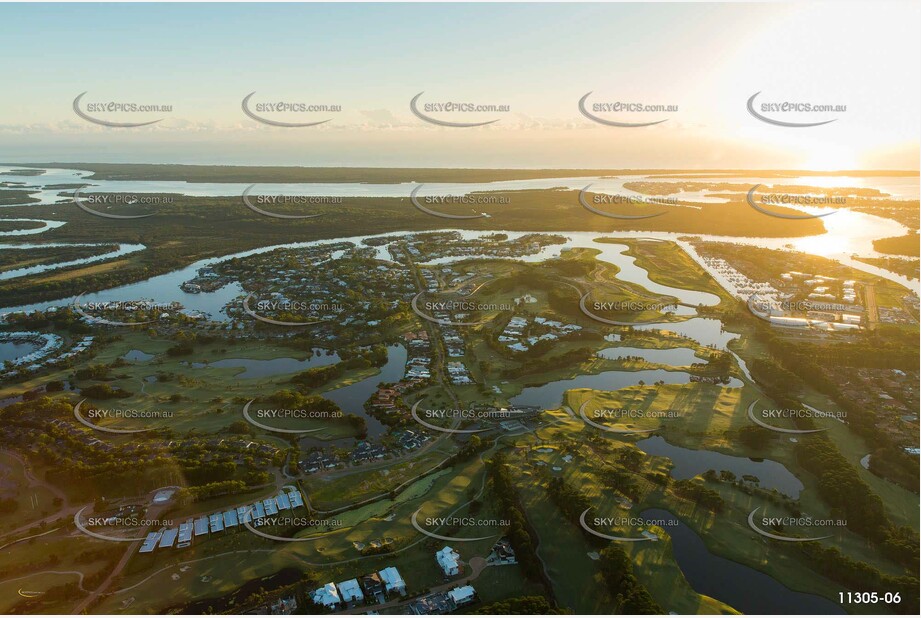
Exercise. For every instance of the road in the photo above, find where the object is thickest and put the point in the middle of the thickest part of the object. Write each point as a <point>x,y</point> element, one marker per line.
<point>872,308</point>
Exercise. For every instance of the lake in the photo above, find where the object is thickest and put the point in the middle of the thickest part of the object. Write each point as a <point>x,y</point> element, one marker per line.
<point>676,357</point>
<point>352,398</point>
<point>11,350</point>
<point>550,396</point>
<point>688,463</point>
<point>748,590</point>
<point>260,368</point>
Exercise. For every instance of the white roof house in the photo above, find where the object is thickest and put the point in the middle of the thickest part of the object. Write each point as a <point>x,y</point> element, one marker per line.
<point>327,596</point>
<point>351,591</point>
<point>462,595</point>
<point>448,560</point>
<point>393,582</point>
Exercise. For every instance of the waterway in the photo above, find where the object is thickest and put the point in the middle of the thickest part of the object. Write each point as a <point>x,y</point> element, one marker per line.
<point>688,463</point>
<point>746,589</point>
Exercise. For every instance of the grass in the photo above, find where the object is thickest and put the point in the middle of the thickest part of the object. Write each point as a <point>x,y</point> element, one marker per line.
<point>668,264</point>
<point>332,558</point>
<point>32,502</point>
<point>726,534</point>
<point>32,558</point>
<point>565,550</point>
<point>332,492</point>
<point>211,397</point>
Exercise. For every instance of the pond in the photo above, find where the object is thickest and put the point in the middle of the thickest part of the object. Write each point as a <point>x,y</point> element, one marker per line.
<point>351,399</point>
<point>688,463</point>
<point>549,396</point>
<point>676,357</point>
<point>11,350</point>
<point>705,331</point>
<point>259,368</point>
<point>744,588</point>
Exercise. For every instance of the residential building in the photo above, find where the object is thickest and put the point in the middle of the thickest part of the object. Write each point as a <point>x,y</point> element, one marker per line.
<point>350,591</point>
<point>393,581</point>
<point>327,596</point>
<point>448,560</point>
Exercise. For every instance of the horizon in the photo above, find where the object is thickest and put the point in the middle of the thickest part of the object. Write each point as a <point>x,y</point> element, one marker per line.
<point>535,64</point>
<point>622,170</point>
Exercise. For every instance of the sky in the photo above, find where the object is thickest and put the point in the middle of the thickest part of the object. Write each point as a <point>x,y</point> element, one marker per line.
<point>702,61</point>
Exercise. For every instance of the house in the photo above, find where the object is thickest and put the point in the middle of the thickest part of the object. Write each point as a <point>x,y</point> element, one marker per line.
<point>432,605</point>
<point>502,552</point>
<point>448,560</point>
<point>373,586</point>
<point>393,582</point>
<point>327,596</point>
<point>462,595</point>
<point>350,591</point>
<point>283,607</point>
